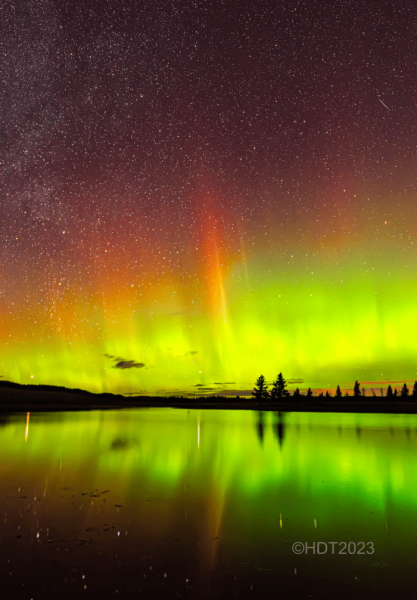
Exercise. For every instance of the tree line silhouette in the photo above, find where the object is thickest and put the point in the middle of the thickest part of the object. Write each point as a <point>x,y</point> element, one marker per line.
<point>279,391</point>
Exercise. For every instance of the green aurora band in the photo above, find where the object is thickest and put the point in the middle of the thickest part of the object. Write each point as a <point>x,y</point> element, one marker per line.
<point>294,315</point>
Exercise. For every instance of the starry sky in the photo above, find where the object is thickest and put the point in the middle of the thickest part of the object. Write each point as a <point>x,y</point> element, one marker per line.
<point>196,192</point>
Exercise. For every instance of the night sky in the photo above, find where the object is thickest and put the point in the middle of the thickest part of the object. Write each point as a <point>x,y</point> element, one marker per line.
<point>195,193</point>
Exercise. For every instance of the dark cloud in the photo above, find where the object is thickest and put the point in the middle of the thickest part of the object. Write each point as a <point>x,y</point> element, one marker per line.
<point>129,364</point>
<point>123,363</point>
<point>225,383</point>
<point>295,380</point>
<point>119,444</point>
<point>385,382</point>
<point>191,353</point>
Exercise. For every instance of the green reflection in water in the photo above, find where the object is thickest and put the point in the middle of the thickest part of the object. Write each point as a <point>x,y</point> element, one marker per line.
<point>256,481</point>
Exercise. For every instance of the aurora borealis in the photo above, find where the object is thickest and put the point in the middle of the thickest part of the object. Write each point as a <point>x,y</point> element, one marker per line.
<point>196,192</point>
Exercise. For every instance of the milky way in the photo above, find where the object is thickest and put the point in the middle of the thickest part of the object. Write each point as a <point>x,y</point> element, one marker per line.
<point>194,193</point>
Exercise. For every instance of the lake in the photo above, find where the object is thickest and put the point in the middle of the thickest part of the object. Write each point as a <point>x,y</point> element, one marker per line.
<point>176,503</point>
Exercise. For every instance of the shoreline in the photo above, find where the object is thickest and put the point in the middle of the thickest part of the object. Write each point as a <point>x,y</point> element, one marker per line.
<point>317,409</point>
<point>21,409</point>
<point>16,398</point>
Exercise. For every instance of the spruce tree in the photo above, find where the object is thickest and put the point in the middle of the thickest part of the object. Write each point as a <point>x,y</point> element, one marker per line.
<point>338,392</point>
<point>405,392</point>
<point>310,393</point>
<point>260,391</point>
<point>357,389</point>
<point>278,388</point>
<point>389,392</point>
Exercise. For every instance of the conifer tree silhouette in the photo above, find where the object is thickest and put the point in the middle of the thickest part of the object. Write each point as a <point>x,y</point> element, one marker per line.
<point>310,393</point>
<point>260,391</point>
<point>338,392</point>
<point>389,392</point>
<point>278,388</point>
<point>357,389</point>
<point>415,390</point>
<point>405,392</point>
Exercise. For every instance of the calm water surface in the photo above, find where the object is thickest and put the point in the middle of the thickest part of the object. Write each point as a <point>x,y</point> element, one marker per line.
<point>170,503</point>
